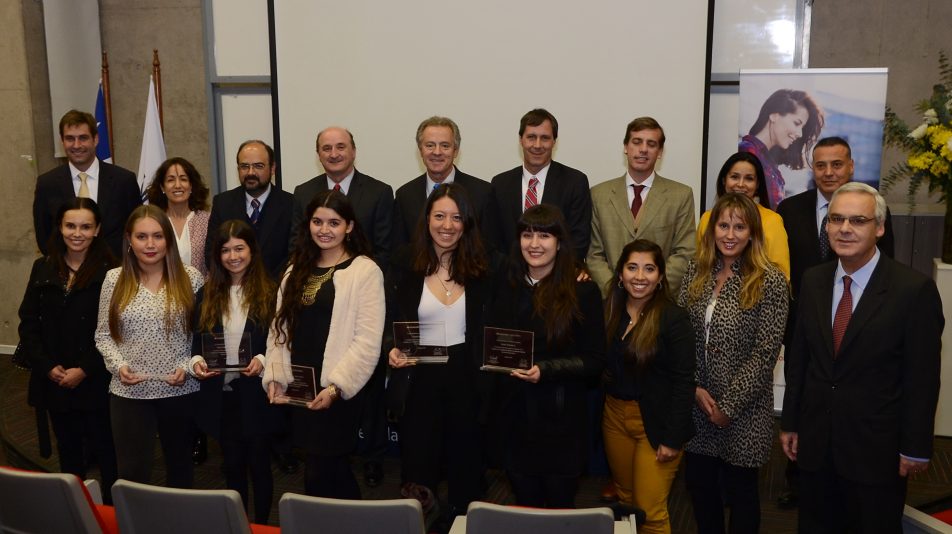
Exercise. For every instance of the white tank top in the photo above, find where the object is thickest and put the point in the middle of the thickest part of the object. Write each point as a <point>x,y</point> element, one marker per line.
<point>452,317</point>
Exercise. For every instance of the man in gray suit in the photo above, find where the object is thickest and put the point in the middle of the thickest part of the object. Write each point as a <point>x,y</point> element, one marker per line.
<point>641,205</point>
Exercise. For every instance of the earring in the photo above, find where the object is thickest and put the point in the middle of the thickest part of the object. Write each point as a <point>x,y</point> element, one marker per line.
<point>620,285</point>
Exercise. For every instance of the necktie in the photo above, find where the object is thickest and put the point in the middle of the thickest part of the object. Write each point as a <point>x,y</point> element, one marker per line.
<point>255,210</point>
<point>337,188</point>
<point>636,201</point>
<point>434,187</point>
<point>844,310</point>
<point>532,194</point>
<point>83,186</point>
<point>824,240</point>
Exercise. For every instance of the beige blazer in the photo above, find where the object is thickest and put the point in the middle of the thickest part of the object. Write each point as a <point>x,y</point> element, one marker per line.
<point>666,218</point>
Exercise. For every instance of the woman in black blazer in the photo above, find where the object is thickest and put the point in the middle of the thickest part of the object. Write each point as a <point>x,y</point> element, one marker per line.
<point>443,277</point>
<point>58,315</point>
<point>648,381</point>
<point>541,413</point>
<point>237,299</point>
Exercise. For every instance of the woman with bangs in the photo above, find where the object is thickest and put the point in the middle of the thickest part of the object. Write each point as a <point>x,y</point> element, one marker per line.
<point>737,300</point>
<point>543,410</point>
<point>443,277</point>
<point>144,334</point>
<point>237,303</point>
<point>330,316</point>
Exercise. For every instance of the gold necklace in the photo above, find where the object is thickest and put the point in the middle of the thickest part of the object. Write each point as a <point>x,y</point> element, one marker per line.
<point>314,283</point>
<point>449,291</point>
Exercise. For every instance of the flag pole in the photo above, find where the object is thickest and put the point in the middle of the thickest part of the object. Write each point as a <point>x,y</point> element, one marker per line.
<point>105,95</point>
<point>157,73</point>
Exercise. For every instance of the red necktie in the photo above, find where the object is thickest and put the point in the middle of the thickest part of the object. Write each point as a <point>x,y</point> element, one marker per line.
<point>532,194</point>
<point>636,201</point>
<point>337,188</point>
<point>844,310</point>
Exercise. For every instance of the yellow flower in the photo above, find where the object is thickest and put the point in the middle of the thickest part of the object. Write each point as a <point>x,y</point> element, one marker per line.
<point>940,167</point>
<point>939,136</point>
<point>921,161</point>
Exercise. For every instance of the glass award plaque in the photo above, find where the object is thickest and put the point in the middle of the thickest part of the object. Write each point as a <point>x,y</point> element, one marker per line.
<point>421,342</point>
<point>216,349</point>
<point>302,384</point>
<point>505,350</point>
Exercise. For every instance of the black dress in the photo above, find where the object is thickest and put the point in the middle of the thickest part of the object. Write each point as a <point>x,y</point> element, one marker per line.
<point>330,432</point>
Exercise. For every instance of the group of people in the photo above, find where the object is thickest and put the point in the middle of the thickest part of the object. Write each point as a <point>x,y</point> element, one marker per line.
<point>679,327</point>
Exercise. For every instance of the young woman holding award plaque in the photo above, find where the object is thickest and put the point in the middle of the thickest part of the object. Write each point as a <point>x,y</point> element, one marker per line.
<point>541,410</point>
<point>233,313</point>
<point>329,322</point>
<point>144,334</point>
<point>441,283</point>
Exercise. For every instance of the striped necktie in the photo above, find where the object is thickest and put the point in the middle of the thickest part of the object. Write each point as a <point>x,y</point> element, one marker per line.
<point>532,193</point>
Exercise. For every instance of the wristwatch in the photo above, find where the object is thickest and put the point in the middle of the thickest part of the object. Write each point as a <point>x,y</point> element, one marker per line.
<point>333,391</point>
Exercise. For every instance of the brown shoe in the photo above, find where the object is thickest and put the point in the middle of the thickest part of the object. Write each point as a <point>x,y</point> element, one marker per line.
<point>608,493</point>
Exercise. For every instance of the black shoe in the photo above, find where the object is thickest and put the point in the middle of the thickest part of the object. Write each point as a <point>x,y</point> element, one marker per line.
<point>788,499</point>
<point>199,450</point>
<point>288,463</point>
<point>373,474</point>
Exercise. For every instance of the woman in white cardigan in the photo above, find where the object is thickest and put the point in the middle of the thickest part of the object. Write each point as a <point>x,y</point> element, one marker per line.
<point>330,316</point>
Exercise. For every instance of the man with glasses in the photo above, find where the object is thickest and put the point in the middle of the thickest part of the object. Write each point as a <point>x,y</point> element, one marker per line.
<point>804,220</point>
<point>256,201</point>
<point>862,376</point>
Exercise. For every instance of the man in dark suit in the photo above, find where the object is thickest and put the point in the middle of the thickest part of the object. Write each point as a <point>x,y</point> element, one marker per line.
<point>438,139</point>
<point>539,180</point>
<point>862,376</point>
<point>372,199</point>
<point>256,201</point>
<point>114,189</point>
<point>803,215</point>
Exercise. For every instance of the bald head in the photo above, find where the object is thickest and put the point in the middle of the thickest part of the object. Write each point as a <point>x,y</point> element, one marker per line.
<point>337,151</point>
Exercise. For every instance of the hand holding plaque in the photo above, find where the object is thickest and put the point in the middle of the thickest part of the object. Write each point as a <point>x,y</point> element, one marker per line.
<point>302,384</point>
<point>421,342</point>
<point>506,350</point>
<point>226,352</point>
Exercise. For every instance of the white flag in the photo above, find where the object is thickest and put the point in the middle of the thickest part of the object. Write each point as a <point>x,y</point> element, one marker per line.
<point>153,144</point>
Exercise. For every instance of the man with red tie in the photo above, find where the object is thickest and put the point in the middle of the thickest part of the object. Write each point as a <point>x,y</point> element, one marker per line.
<point>538,180</point>
<point>862,375</point>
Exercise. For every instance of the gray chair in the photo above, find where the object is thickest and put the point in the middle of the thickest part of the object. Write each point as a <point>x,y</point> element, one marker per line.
<point>145,509</point>
<point>486,518</point>
<point>300,514</point>
<point>45,502</point>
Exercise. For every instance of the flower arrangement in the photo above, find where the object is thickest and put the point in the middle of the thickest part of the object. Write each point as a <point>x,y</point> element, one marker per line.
<point>928,148</point>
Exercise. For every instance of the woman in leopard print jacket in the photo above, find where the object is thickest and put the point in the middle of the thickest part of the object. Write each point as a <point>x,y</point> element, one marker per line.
<point>737,300</point>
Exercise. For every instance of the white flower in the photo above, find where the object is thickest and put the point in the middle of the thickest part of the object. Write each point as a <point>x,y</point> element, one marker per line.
<point>930,117</point>
<point>919,132</point>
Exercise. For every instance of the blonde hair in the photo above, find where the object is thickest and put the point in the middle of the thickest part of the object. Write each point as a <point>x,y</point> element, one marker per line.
<point>753,260</point>
<point>179,298</point>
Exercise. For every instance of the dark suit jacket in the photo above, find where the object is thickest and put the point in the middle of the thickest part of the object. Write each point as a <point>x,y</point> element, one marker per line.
<point>118,195</point>
<point>799,220</point>
<point>878,398</point>
<point>258,416</point>
<point>411,199</point>
<point>273,229</point>
<point>372,201</point>
<point>565,188</point>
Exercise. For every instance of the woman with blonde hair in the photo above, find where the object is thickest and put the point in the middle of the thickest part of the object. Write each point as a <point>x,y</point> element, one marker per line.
<point>737,299</point>
<point>144,334</point>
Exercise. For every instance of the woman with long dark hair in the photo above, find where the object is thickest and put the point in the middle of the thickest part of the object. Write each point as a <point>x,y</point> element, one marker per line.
<point>178,189</point>
<point>544,409</point>
<point>442,279</point>
<point>737,299</point>
<point>145,336</point>
<point>330,316</point>
<point>237,303</point>
<point>648,382</point>
<point>68,380</point>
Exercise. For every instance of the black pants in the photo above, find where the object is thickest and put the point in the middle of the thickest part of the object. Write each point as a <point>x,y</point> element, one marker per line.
<point>551,491</point>
<point>134,425</point>
<point>373,417</point>
<point>330,476</point>
<point>831,504</point>
<point>705,478</point>
<point>245,452</point>
<point>82,430</point>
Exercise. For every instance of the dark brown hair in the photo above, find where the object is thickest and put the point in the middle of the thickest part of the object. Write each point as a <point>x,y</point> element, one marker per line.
<point>97,255</point>
<point>535,118</point>
<point>469,256</point>
<point>643,340</point>
<point>155,193</point>
<point>746,157</point>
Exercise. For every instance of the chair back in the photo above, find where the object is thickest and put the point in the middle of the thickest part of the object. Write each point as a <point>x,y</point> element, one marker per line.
<point>486,518</point>
<point>300,514</point>
<point>145,509</point>
<point>45,502</point>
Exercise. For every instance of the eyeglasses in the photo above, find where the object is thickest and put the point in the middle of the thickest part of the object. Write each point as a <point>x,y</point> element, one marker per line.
<point>855,220</point>
<point>245,167</point>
